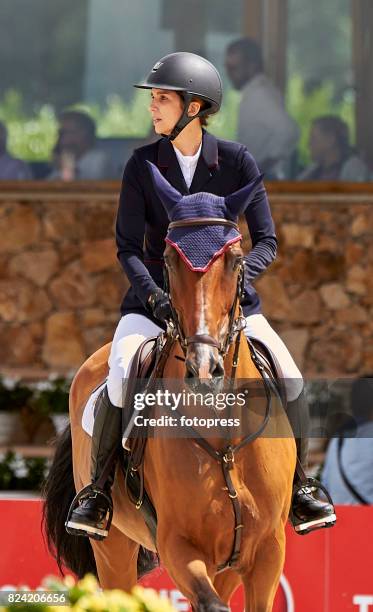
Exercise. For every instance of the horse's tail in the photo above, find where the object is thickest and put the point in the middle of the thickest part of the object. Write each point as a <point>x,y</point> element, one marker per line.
<point>74,552</point>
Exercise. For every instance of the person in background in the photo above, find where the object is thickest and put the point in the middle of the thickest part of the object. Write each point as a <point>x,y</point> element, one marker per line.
<point>76,155</point>
<point>348,467</point>
<point>264,125</point>
<point>10,167</point>
<point>331,153</point>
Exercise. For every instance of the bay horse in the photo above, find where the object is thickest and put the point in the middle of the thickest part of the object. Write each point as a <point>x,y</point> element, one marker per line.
<point>221,509</point>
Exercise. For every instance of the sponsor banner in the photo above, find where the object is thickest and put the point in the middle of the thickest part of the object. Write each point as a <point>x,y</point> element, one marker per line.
<point>327,571</point>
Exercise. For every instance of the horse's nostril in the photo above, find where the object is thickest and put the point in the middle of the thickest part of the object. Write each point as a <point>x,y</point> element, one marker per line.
<point>217,371</point>
<point>191,370</point>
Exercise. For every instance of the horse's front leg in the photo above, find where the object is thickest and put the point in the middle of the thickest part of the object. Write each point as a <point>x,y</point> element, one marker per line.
<point>226,583</point>
<point>191,572</point>
<point>262,580</point>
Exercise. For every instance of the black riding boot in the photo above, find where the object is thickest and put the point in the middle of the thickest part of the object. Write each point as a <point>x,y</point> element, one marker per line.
<point>91,511</point>
<point>307,511</point>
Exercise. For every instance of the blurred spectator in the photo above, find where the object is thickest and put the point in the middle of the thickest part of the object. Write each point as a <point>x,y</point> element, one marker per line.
<point>264,126</point>
<point>10,167</point>
<point>332,155</point>
<point>76,155</point>
<point>348,468</point>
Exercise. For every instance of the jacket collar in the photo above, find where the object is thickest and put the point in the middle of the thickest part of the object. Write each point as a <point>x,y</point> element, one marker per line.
<point>207,164</point>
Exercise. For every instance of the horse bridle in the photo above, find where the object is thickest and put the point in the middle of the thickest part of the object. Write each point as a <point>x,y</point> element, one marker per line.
<point>226,455</point>
<point>235,325</point>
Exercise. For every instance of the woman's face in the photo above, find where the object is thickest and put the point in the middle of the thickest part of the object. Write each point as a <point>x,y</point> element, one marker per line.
<point>166,108</point>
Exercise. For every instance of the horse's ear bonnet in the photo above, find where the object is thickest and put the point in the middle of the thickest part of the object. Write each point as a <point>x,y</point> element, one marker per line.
<point>169,195</point>
<point>200,245</point>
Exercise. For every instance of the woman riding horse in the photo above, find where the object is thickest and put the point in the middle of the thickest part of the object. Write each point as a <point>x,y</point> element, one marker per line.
<point>185,90</point>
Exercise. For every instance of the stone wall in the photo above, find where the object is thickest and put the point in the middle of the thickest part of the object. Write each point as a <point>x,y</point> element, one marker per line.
<point>61,285</point>
<point>319,292</point>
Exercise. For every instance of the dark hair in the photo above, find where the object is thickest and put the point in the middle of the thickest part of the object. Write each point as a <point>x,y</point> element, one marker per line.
<point>203,119</point>
<point>249,50</point>
<point>331,124</point>
<point>82,119</point>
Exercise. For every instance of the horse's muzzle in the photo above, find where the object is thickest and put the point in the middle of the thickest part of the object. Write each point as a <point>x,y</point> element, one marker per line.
<point>203,363</point>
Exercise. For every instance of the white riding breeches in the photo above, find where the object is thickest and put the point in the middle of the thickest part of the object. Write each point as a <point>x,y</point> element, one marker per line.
<point>258,327</point>
<point>133,328</point>
<point>131,331</point>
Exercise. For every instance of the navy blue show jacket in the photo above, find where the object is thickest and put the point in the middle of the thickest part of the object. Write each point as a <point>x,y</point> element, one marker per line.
<point>141,226</point>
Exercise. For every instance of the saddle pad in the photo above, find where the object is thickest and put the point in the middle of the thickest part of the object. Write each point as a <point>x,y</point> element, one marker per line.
<point>88,417</point>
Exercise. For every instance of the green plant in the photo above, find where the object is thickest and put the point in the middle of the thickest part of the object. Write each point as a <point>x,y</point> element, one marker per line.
<point>42,398</point>
<point>85,595</point>
<point>120,119</point>
<point>224,124</point>
<point>19,473</point>
<point>51,397</point>
<point>32,138</point>
<point>36,402</point>
<point>13,396</point>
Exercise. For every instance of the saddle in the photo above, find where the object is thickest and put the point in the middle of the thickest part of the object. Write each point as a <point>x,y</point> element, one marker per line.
<point>141,367</point>
<point>271,365</point>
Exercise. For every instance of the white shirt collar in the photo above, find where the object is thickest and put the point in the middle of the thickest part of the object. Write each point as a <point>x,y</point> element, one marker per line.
<point>188,160</point>
<point>188,164</point>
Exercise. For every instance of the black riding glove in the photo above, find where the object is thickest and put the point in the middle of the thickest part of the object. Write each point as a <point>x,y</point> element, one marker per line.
<point>160,305</point>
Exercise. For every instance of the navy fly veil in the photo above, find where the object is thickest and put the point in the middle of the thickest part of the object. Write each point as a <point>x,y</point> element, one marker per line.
<point>200,245</point>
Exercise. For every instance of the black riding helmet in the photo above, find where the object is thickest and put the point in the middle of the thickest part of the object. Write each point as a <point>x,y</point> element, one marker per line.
<point>191,75</point>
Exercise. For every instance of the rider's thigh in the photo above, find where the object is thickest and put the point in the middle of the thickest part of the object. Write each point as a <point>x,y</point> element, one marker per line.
<point>132,329</point>
<point>258,327</point>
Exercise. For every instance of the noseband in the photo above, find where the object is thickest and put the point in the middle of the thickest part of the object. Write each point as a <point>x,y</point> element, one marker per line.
<point>234,325</point>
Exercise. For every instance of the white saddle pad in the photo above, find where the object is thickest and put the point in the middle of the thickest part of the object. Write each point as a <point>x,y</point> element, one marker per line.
<point>88,413</point>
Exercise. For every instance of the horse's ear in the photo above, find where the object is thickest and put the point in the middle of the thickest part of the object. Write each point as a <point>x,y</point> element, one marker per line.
<point>238,201</point>
<point>168,195</point>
